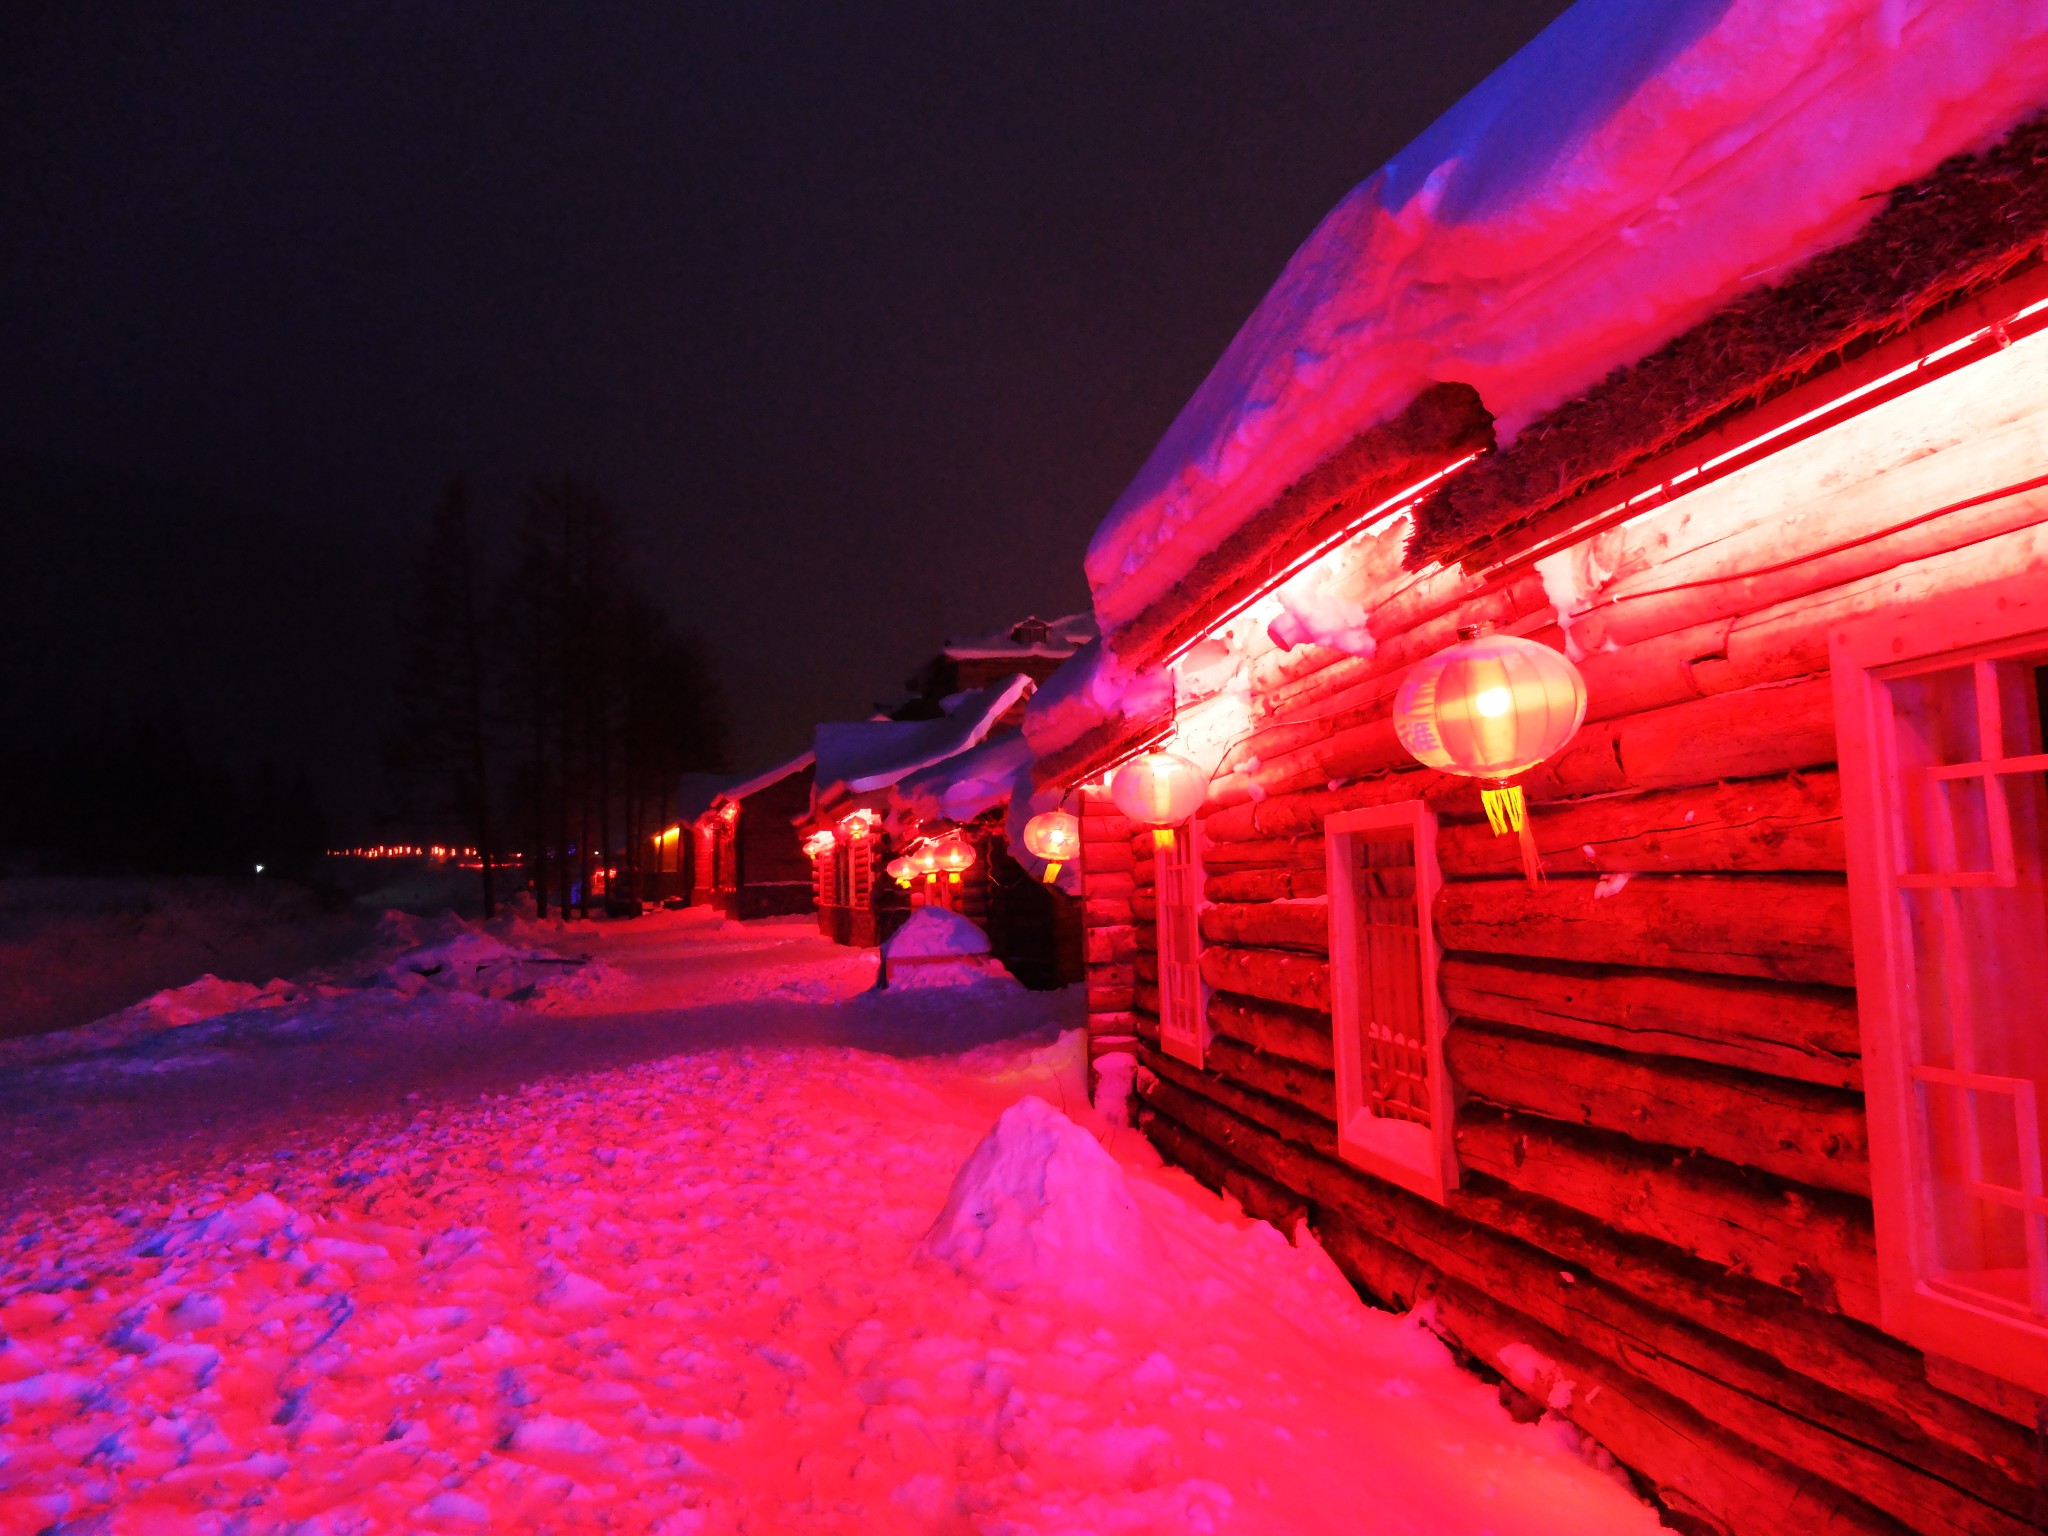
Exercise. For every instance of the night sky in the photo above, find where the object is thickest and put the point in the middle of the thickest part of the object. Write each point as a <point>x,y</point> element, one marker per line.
<point>863,319</point>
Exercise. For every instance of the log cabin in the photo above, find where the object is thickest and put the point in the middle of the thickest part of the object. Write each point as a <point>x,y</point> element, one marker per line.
<point>1722,1141</point>
<point>1034,928</point>
<point>844,833</point>
<point>750,852</point>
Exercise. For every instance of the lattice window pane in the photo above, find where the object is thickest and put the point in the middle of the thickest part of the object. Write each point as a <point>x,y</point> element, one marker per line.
<point>1394,1051</point>
<point>1971,809</point>
<point>1180,978</point>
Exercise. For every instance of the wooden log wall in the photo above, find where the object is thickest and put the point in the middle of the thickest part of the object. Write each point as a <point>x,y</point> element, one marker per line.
<point>1664,1170</point>
<point>1108,936</point>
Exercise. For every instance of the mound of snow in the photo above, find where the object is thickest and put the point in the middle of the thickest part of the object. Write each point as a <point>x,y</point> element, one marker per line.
<point>1040,1203</point>
<point>933,933</point>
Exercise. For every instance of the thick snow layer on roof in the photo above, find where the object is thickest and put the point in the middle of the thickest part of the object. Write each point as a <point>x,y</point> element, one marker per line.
<point>1637,166</point>
<point>966,784</point>
<point>856,756</point>
<point>1060,637</point>
<point>1084,693</point>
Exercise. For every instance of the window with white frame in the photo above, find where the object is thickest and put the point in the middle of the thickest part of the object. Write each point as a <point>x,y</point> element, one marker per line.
<point>1939,713</point>
<point>1393,1097</point>
<point>1183,1003</point>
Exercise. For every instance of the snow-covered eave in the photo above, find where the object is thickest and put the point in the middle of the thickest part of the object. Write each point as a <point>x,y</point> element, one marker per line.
<point>1637,168</point>
<point>765,780</point>
<point>838,796</point>
<point>964,786</point>
<point>1974,224</point>
<point>1372,476</point>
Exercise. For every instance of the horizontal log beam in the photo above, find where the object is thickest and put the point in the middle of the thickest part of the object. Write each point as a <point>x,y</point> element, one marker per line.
<point>1259,1196</point>
<point>1840,1354</point>
<point>1302,981</point>
<point>1301,926</point>
<point>1815,1244</point>
<point>1266,885</point>
<point>1609,1339</point>
<point>1782,927</point>
<point>1805,1134</point>
<point>1314,1089</point>
<point>1299,1034</point>
<point>1808,1034</point>
<point>1792,822</point>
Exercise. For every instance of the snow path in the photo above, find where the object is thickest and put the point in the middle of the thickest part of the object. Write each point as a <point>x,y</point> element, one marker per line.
<point>655,1277</point>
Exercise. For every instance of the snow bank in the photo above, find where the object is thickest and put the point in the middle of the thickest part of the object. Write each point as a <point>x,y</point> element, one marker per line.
<point>685,1295</point>
<point>1040,1203</point>
<point>934,933</point>
<point>939,949</point>
<point>1636,167</point>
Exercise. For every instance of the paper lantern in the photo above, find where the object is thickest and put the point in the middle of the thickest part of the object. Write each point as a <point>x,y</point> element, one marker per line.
<point>1490,707</point>
<point>817,844</point>
<point>1160,790</point>
<point>953,855</point>
<point>901,870</point>
<point>1055,837</point>
<point>925,860</point>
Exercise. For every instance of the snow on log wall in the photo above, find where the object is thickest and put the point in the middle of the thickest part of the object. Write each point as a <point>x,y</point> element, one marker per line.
<point>1664,1227</point>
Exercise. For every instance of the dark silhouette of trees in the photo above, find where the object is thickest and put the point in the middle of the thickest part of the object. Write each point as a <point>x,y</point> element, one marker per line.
<point>438,751</point>
<point>582,699</point>
<point>135,798</point>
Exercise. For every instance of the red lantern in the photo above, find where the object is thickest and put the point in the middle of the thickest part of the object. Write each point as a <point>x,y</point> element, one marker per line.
<point>818,843</point>
<point>1160,790</point>
<point>902,871</point>
<point>1055,837</point>
<point>1490,707</point>
<point>953,855</point>
<point>925,861</point>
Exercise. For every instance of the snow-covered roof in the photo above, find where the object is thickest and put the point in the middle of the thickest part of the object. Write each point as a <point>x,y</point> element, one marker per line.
<point>966,784</point>
<point>856,757</point>
<point>761,781</point>
<point>1028,637</point>
<point>1636,167</point>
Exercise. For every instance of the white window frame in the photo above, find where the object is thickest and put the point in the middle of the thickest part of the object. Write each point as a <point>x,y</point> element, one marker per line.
<point>1388,1149</point>
<point>2001,618</point>
<point>1183,1040</point>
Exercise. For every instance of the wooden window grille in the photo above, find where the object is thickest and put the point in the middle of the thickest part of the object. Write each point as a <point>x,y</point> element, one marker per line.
<point>860,870</point>
<point>1393,1098</point>
<point>825,871</point>
<point>1945,804</point>
<point>1183,1003</point>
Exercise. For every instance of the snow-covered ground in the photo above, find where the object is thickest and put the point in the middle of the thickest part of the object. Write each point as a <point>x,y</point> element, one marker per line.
<point>700,1236</point>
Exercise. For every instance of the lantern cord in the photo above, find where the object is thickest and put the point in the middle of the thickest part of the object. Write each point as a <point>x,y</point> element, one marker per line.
<point>1507,810</point>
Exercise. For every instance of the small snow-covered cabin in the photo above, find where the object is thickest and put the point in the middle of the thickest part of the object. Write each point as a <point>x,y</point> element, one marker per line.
<point>858,763</point>
<point>1707,344</point>
<point>984,793</point>
<point>1033,647</point>
<point>750,852</point>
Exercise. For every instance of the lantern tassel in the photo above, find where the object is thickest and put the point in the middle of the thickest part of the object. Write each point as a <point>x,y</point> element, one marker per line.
<point>1052,871</point>
<point>1507,810</point>
<point>1162,837</point>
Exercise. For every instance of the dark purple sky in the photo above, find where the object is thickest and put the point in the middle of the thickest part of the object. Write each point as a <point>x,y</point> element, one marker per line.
<point>863,318</point>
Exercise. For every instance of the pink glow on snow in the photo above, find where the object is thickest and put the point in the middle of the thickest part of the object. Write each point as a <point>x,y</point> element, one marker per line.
<point>786,1285</point>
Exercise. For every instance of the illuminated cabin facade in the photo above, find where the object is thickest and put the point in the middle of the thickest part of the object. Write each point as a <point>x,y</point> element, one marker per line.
<point>848,833</point>
<point>749,859</point>
<point>1723,1142</point>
